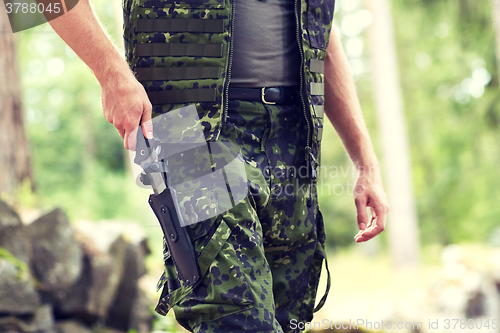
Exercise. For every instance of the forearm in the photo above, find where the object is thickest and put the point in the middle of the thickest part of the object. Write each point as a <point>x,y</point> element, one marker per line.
<point>124,99</point>
<point>342,106</point>
<point>80,29</point>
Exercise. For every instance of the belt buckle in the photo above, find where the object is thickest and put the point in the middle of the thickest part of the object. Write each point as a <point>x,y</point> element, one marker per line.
<point>263,96</point>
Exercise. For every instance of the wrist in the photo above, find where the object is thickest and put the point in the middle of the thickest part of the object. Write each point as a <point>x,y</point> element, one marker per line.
<point>114,71</point>
<point>368,159</point>
<point>368,168</point>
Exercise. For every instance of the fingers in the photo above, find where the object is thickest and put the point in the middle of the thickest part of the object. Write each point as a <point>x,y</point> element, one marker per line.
<point>377,224</point>
<point>127,123</point>
<point>147,124</point>
<point>380,211</point>
<point>130,139</point>
<point>126,139</point>
<point>362,217</point>
<point>368,233</point>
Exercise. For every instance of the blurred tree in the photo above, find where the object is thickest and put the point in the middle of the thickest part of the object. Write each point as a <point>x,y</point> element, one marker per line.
<point>448,76</point>
<point>496,25</point>
<point>403,231</point>
<point>15,164</point>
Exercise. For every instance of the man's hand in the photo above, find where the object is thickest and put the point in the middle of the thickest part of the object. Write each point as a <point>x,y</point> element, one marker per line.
<point>125,104</point>
<point>368,192</point>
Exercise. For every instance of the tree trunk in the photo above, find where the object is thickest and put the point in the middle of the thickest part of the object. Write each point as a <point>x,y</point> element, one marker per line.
<point>495,12</point>
<point>15,164</point>
<point>402,227</point>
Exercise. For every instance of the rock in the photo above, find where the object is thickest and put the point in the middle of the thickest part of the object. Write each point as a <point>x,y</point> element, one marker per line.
<point>130,309</point>
<point>56,257</point>
<point>113,260</point>
<point>13,235</point>
<point>84,277</point>
<point>92,294</point>
<point>44,319</point>
<point>142,318</point>
<point>17,291</point>
<point>103,234</point>
<point>13,324</point>
<point>41,322</point>
<point>102,298</point>
<point>72,326</point>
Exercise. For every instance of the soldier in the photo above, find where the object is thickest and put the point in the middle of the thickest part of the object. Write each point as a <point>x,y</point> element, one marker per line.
<point>262,73</point>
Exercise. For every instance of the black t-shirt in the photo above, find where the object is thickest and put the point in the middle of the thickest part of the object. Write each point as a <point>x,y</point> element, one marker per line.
<point>266,52</point>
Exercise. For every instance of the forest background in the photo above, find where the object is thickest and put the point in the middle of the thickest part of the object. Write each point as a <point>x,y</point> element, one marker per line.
<point>448,76</point>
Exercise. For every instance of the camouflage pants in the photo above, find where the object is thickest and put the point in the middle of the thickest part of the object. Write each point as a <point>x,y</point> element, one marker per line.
<point>260,260</point>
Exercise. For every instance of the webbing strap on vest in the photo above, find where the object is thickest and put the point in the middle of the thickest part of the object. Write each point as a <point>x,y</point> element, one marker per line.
<point>176,73</point>
<point>320,134</point>
<point>319,110</point>
<point>178,50</point>
<point>328,285</point>
<point>317,88</point>
<point>182,25</point>
<point>317,66</point>
<point>182,96</point>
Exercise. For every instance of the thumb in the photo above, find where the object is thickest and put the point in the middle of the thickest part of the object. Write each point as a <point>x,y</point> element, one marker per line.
<point>147,124</point>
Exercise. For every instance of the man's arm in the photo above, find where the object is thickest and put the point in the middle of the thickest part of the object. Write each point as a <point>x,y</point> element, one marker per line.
<point>124,100</point>
<point>343,109</point>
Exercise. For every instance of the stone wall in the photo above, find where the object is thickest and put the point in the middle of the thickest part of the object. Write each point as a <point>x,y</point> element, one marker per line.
<point>59,278</point>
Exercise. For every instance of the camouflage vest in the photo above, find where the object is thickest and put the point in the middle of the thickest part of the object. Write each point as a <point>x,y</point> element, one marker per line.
<point>181,51</point>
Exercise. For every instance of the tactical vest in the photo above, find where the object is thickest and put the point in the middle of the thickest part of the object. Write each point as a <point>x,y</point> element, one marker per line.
<point>181,51</point>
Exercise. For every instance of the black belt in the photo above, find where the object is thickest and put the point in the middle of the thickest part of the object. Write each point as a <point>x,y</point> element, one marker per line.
<point>273,95</point>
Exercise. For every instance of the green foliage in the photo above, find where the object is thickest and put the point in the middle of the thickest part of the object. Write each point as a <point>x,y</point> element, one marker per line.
<point>22,268</point>
<point>27,198</point>
<point>78,159</point>
<point>453,134</point>
<point>166,324</point>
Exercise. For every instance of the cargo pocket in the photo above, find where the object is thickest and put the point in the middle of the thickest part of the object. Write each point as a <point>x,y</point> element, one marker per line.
<point>173,291</point>
<point>224,290</point>
<point>219,294</point>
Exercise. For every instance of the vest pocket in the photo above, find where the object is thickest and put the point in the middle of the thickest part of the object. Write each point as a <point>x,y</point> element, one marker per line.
<point>319,22</point>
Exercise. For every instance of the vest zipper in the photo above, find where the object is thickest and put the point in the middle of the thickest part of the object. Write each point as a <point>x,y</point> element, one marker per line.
<point>309,156</point>
<point>229,65</point>
<point>308,121</point>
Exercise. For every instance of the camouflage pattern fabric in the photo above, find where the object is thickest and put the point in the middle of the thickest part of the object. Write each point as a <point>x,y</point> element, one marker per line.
<point>260,261</point>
